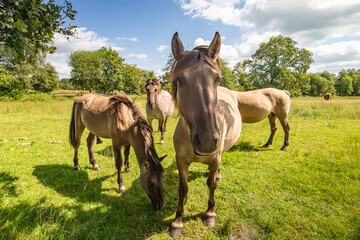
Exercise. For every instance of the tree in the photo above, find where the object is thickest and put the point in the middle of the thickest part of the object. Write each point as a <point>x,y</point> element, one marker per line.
<point>10,86</point>
<point>45,78</point>
<point>343,84</point>
<point>112,67</point>
<point>228,79</point>
<point>242,77</point>
<point>133,80</point>
<point>355,75</point>
<point>65,84</point>
<point>321,83</point>
<point>86,69</point>
<point>28,27</point>
<point>278,63</point>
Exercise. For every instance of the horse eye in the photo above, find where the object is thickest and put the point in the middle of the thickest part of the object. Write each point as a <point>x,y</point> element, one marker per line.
<point>217,80</point>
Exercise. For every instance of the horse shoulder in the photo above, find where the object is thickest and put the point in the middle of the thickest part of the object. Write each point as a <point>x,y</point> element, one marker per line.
<point>124,118</point>
<point>228,114</point>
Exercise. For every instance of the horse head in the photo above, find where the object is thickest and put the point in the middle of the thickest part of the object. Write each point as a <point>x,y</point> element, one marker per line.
<point>195,77</point>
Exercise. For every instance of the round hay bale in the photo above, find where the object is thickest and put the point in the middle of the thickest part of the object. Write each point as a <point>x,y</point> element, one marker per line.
<point>328,96</point>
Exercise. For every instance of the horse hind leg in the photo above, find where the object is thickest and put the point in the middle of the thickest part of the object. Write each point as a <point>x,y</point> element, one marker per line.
<point>77,129</point>
<point>126,161</point>
<point>90,144</point>
<point>273,127</point>
<point>162,127</point>
<point>286,127</point>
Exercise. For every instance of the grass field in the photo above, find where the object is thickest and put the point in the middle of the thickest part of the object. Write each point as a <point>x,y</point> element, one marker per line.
<point>311,191</point>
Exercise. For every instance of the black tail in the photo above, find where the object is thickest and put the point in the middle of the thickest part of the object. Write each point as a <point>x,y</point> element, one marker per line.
<point>72,127</point>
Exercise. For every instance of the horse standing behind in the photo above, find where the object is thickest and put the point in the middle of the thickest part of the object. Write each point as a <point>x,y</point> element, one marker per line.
<point>256,105</point>
<point>159,105</point>
<point>116,117</point>
<point>210,122</point>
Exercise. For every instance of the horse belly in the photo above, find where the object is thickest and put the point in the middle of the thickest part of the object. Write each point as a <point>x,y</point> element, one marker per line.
<point>97,125</point>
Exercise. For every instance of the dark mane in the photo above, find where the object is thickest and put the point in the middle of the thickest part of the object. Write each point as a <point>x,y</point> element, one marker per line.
<point>191,60</point>
<point>156,81</point>
<point>144,129</point>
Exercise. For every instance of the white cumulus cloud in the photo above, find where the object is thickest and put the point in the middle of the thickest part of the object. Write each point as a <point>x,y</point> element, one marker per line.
<point>161,48</point>
<point>84,40</point>
<point>312,23</point>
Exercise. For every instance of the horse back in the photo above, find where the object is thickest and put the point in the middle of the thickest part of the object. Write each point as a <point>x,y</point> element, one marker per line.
<point>102,117</point>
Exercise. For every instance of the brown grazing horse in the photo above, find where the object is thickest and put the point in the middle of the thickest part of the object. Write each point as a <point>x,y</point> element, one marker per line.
<point>210,122</point>
<point>256,105</point>
<point>116,117</point>
<point>328,96</point>
<point>159,105</point>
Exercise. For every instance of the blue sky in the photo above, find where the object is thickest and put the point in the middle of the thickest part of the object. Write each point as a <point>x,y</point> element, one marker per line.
<point>141,30</point>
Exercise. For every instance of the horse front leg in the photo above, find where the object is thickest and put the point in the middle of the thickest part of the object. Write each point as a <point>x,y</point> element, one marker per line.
<point>90,144</point>
<point>210,214</point>
<point>273,127</point>
<point>118,164</point>
<point>126,161</point>
<point>176,225</point>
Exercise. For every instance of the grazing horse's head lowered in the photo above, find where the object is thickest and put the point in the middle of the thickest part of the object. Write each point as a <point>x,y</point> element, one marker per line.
<point>200,68</point>
<point>153,89</point>
<point>151,170</point>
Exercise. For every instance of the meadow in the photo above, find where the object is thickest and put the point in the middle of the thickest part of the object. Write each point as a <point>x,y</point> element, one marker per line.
<point>310,191</point>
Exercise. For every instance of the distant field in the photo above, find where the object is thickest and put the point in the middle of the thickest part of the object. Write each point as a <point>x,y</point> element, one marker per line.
<point>311,191</point>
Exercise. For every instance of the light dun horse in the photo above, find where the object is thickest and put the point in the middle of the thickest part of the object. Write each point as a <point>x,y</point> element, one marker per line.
<point>118,118</point>
<point>210,122</point>
<point>159,105</point>
<point>256,105</point>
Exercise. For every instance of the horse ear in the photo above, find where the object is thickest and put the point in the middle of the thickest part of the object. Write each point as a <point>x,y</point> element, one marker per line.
<point>162,158</point>
<point>176,46</point>
<point>214,47</point>
<point>145,164</point>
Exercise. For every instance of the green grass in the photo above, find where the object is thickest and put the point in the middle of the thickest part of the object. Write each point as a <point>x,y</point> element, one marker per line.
<point>311,191</point>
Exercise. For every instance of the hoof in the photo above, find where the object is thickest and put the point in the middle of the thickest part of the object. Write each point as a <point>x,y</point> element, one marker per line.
<point>265,145</point>
<point>206,173</point>
<point>122,189</point>
<point>96,168</point>
<point>283,149</point>
<point>219,178</point>
<point>175,232</point>
<point>77,168</point>
<point>162,142</point>
<point>127,170</point>
<point>209,222</point>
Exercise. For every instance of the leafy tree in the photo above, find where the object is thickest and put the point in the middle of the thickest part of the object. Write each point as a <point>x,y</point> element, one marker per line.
<point>278,63</point>
<point>321,83</point>
<point>228,79</point>
<point>242,77</point>
<point>86,69</point>
<point>28,26</point>
<point>45,78</point>
<point>165,78</point>
<point>65,84</point>
<point>355,75</point>
<point>111,68</point>
<point>133,80</point>
<point>10,86</point>
<point>343,84</point>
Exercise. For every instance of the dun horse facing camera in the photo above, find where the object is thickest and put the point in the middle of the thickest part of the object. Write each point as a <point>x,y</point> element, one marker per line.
<point>210,122</point>
<point>116,117</point>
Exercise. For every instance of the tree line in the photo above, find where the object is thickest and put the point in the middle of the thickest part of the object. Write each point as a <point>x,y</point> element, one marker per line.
<point>28,27</point>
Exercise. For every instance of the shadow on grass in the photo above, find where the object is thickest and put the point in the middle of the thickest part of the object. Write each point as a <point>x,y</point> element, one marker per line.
<point>110,215</point>
<point>246,147</point>
<point>107,151</point>
<point>7,187</point>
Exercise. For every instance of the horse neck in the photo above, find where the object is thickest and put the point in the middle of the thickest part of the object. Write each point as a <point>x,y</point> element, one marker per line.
<point>142,141</point>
